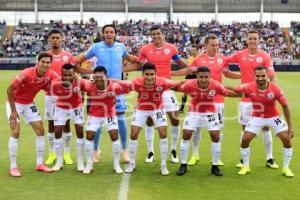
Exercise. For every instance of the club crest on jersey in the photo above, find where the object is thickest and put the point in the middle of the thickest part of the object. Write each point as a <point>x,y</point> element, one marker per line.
<point>271,95</point>
<point>65,58</point>
<point>118,48</point>
<point>219,61</point>
<point>159,88</point>
<point>110,94</point>
<point>259,60</point>
<point>212,93</point>
<point>47,79</point>
<point>167,51</point>
<point>76,89</point>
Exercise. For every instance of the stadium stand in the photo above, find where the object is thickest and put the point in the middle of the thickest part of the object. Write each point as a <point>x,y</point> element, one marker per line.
<point>28,39</point>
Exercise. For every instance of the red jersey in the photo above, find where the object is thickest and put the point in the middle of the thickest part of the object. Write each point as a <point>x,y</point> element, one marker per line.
<point>203,99</point>
<point>264,101</point>
<point>149,98</point>
<point>58,61</point>
<point>68,97</point>
<point>103,101</point>
<point>160,57</point>
<point>247,64</point>
<point>216,64</point>
<point>27,84</point>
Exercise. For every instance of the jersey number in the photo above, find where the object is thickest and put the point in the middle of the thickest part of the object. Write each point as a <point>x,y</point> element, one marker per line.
<point>278,121</point>
<point>211,118</point>
<point>33,109</point>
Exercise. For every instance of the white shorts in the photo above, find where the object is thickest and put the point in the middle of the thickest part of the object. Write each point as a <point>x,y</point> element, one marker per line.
<point>220,113</point>
<point>245,112</point>
<point>50,102</point>
<point>170,101</point>
<point>62,115</point>
<point>94,123</point>
<point>29,112</point>
<point>194,120</point>
<point>139,117</point>
<point>255,124</point>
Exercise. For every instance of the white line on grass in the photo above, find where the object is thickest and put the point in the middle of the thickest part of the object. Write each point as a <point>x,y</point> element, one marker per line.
<point>124,187</point>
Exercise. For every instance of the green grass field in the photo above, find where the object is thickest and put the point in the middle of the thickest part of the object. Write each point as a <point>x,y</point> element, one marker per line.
<point>146,182</point>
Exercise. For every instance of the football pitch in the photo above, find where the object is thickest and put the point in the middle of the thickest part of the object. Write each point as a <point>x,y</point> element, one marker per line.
<point>146,182</point>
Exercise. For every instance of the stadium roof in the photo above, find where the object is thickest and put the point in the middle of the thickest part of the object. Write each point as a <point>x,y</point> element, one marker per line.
<point>293,6</point>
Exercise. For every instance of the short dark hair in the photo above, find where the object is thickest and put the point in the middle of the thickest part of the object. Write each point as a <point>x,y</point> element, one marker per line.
<point>44,55</point>
<point>87,42</point>
<point>100,69</point>
<point>67,66</point>
<point>55,31</point>
<point>109,25</point>
<point>210,37</point>
<point>203,69</point>
<point>155,27</point>
<point>253,31</point>
<point>260,67</point>
<point>149,66</point>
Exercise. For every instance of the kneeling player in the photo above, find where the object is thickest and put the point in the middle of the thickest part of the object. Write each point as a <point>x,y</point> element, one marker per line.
<point>202,113</point>
<point>103,93</point>
<point>20,101</point>
<point>264,95</point>
<point>68,89</point>
<point>150,104</point>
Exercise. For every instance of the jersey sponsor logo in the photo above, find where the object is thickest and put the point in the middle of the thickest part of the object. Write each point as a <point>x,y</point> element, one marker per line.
<point>212,93</point>
<point>65,58</point>
<point>167,51</point>
<point>159,88</point>
<point>271,95</point>
<point>219,61</point>
<point>259,59</point>
<point>101,49</point>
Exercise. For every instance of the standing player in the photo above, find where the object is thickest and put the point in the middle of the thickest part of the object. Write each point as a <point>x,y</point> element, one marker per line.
<point>149,104</point>
<point>194,52</point>
<point>160,53</point>
<point>217,64</point>
<point>264,95</point>
<point>110,55</point>
<point>103,93</point>
<point>20,102</point>
<point>202,113</point>
<point>247,60</point>
<point>68,106</point>
<point>60,57</point>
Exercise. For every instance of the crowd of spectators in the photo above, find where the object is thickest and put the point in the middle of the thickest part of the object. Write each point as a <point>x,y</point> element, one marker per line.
<point>28,39</point>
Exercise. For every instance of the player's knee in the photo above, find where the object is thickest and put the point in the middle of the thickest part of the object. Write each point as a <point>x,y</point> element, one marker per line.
<point>134,136</point>
<point>163,135</point>
<point>245,142</point>
<point>50,126</point>
<point>286,142</point>
<point>175,122</point>
<point>40,131</point>
<point>114,137</point>
<point>79,131</point>
<point>186,136</point>
<point>15,134</point>
<point>215,138</point>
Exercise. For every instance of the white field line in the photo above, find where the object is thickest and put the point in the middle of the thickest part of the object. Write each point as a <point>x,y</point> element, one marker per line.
<point>124,187</point>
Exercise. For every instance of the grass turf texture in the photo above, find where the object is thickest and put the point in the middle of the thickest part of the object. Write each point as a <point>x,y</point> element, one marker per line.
<point>146,182</point>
